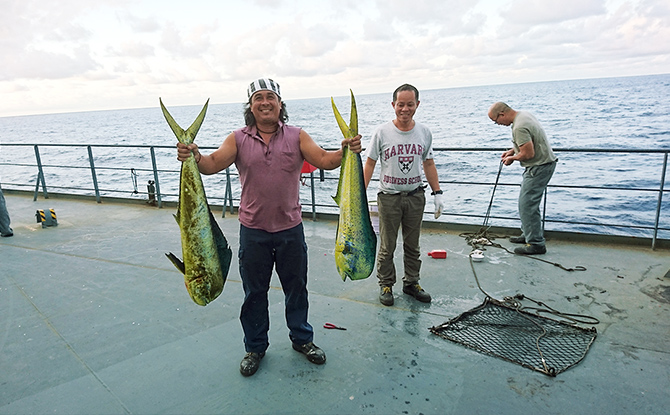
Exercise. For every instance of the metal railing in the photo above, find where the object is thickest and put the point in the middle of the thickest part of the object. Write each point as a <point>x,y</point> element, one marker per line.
<point>36,170</point>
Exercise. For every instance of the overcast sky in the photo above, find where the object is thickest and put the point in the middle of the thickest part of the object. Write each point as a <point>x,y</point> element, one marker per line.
<point>80,55</point>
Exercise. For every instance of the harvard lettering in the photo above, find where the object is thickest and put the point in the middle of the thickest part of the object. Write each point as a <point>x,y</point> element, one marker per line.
<point>403,149</point>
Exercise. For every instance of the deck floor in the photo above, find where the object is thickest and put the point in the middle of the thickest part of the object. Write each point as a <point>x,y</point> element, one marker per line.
<point>95,320</point>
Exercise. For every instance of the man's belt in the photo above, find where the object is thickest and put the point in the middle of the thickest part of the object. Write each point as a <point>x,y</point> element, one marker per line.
<point>410,193</point>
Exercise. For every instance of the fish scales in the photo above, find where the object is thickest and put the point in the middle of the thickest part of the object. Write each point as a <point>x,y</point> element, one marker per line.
<point>205,251</point>
<point>356,241</point>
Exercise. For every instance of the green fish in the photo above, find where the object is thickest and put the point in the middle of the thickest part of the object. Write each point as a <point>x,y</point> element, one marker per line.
<point>204,248</point>
<point>356,241</point>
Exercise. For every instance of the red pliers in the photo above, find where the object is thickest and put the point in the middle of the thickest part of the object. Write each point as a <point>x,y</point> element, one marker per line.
<point>332,326</point>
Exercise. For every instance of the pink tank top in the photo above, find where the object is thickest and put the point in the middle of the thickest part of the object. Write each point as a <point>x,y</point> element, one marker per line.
<point>270,178</point>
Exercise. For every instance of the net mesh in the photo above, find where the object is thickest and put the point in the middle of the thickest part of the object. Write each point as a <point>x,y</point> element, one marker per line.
<point>530,340</point>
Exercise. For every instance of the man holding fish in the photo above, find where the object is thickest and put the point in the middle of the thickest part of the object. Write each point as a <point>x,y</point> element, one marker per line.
<point>269,155</point>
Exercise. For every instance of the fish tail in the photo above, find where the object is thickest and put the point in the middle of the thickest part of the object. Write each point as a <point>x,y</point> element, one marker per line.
<point>195,127</point>
<point>176,129</point>
<point>184,136</point>
<point>340,121</point>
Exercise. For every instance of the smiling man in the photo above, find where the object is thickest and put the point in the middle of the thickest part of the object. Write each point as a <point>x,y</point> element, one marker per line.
<point>403,147</point>
<point>269,155</point>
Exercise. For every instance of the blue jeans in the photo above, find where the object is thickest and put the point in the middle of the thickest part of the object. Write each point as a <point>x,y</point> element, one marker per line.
<point>4,217</point>
<point>535,181</point>
<point>287,252</point>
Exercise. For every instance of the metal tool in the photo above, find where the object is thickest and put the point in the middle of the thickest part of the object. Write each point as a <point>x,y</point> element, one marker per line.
<point>332,327</point>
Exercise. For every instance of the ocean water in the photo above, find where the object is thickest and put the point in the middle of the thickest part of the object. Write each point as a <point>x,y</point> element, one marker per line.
<point>608,113</point>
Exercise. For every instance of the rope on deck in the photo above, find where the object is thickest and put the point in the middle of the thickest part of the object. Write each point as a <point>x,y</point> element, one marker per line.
<point>518,334</point>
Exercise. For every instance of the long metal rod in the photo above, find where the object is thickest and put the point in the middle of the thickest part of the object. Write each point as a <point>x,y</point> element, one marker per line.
<point>488,211</point>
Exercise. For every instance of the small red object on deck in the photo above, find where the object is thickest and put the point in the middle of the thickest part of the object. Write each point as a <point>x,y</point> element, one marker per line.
<point>438,253</point>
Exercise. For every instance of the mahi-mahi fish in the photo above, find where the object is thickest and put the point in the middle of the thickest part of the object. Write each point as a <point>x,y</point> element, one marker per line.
<point>356,241</point>
<point>205,250</point>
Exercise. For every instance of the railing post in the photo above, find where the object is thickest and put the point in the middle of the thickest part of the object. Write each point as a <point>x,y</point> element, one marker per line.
<point>155,169</point>
<point>660,201</point>
<point>544,208</point>
<point>40,176</point>
<point>311,176</point>
<point>95,177</point>
<point>658,226</point>
<point>227,195</point>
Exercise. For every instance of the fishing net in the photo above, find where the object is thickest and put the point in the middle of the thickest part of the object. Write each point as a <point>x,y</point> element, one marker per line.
<point>510,331</point>
<point>504,330</point>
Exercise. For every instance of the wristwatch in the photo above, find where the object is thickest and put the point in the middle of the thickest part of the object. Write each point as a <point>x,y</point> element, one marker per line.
<point>437,192</point>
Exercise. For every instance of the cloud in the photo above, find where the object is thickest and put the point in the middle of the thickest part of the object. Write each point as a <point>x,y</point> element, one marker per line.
<point>315,41</point>
<point>37,64</point>
<point>44,41</point>
<point>78,52</point>
<point>192,42</point>
<point>393,20</point>
<point>139,24</point>
<point>591,37</point>
<point>133,49</point>
<point>528,13</point>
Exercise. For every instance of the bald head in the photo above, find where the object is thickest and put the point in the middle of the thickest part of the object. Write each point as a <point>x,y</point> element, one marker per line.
<point>501,113</point>
<point>498,107</point>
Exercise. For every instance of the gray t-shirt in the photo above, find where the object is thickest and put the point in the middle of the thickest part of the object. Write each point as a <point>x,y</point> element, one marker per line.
<point>527,128</point>
<point>401,155</point>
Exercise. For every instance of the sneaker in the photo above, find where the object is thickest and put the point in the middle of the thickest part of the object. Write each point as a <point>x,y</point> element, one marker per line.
<point>517,239</point>
<point>312,351</point>
<point>7,235</point>
<point>386,296</point>
<point>529,249</point>
<point>417,292</point>
<point>250,363</point>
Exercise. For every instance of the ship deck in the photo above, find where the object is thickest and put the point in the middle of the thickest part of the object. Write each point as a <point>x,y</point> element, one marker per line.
<point>95,320</point>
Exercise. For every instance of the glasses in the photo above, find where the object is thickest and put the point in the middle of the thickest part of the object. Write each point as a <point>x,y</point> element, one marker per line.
<point>498,116</point>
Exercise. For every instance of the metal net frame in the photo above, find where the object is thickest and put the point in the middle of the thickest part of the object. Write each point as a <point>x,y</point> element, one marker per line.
<point>508,330</point>
<point>504,330</point>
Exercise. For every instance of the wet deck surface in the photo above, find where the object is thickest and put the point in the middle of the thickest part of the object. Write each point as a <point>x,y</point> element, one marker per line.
<point>94,319</point>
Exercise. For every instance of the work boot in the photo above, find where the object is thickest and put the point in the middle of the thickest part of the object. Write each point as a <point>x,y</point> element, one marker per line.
<point>529,249</point>
<point>250,363</point>
<point>312,351</point>
<point>386,296</point>
<point>417,292</point>
<point>517,239</point>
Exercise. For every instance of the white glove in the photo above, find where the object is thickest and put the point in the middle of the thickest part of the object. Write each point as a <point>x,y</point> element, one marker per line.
<point>439,206</point>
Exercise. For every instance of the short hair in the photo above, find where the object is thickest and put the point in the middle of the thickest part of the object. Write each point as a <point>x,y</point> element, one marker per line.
<point>405,87</point>
<point>250,120</point>
<point>500,107</point>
